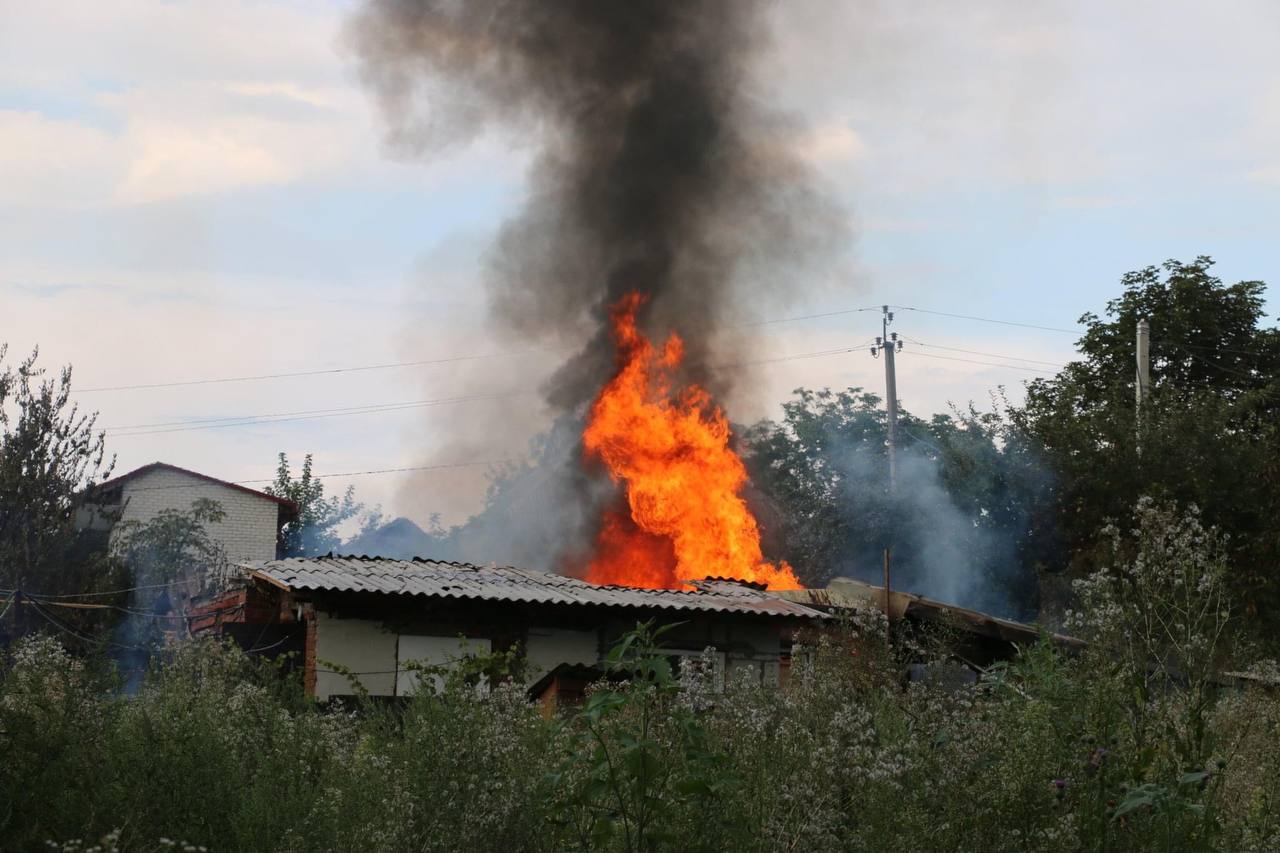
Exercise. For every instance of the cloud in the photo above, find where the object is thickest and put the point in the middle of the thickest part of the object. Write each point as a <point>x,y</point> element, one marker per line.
<point>203,139</point>
<point>132,103</point>
<point>55,162</point>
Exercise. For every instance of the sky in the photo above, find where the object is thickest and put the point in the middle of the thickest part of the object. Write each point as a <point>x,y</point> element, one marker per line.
<point>197,191</point>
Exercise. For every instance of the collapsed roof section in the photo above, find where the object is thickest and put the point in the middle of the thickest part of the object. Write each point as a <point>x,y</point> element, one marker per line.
<point>848,593</point>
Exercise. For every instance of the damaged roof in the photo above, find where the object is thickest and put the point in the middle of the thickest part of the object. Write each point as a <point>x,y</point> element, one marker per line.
<point>439,579</point>
<point>848,593</point>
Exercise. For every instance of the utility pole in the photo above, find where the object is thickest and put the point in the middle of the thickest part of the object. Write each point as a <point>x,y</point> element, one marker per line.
<point>889,344</point>
<point>1142,384</point>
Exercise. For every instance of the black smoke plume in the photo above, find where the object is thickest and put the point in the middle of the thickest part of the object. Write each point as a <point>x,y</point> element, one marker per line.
<point>656,170</point>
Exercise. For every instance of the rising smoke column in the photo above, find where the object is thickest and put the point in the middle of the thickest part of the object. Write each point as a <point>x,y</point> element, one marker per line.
<point>656,173</point>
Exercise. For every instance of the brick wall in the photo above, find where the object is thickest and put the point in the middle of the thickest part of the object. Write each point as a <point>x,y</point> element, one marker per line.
<point>248,532</point>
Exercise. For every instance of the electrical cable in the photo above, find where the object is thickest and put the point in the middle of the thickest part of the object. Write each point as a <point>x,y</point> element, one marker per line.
<point>1208,348</point>
<point>988,363</point>
<point>485,356</point>
<point>923,441</point>
<point>296,373</point>
<point>438,467</point>
<point>109,592</point>
<point>986,320</point>
<point>256,648</point>
<point>86,638</point>
<point>795,356</point>
<point>59,624</point>
<point>375,408</point>
<point>988,354</point>
<point>805,317</point>
<point>306,414</point>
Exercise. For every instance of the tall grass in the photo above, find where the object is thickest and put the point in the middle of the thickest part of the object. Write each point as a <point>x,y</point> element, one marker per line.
<point>1115,749</point>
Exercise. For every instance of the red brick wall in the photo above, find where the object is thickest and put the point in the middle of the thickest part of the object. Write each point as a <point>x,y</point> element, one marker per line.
<point>207,615</point>
<point>247,605</point>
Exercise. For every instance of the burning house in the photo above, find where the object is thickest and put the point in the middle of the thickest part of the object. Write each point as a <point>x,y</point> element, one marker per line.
<point>665,206</point>
<point>373,622</point>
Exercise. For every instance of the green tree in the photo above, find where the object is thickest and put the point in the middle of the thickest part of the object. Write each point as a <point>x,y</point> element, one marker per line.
<point>1207,435</point>
<point>315,530</point>
<point>173,544</point>
<point>50,455</point>
<point>956,523</point>
<point>172,558</point>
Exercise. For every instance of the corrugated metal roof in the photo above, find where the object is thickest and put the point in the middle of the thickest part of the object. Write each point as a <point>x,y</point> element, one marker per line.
<point>437,579</point>
<point>851,593</point>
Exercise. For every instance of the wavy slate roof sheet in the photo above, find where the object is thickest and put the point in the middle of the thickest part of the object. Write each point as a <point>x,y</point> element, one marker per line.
<point>436,579</point>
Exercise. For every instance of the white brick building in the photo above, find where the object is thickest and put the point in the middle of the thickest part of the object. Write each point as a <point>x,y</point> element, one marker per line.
<point>250,529</point>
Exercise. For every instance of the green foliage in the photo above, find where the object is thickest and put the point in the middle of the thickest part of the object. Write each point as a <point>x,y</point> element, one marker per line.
<point>50,455</point>
<point>171,557</point>
<point>638,771</point>
<point>1209,435</point>
<point>962,509</point>
<point>1040,755</point>
<point>315,530</point>
<point>171,543</point>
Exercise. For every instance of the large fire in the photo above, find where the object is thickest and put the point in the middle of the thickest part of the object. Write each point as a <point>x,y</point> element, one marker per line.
<point>670,449</point>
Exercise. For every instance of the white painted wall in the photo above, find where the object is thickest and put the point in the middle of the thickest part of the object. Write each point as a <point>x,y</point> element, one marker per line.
<point>433,651</point>
<point>247,532</point>
<point>378,656</point>
<point>547,648</point>
<point>362,646</point>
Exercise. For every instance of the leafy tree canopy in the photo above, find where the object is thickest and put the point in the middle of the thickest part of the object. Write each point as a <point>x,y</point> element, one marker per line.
<point>955,523</point>
<point>1207,435</point>
<point>315,530</point>
<point>50,454</point>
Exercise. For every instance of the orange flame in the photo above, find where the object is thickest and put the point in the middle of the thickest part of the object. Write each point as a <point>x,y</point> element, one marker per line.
<point>671,450</point>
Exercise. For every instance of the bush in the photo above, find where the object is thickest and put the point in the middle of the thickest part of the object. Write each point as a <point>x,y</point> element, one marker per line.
<point>1138,744</point>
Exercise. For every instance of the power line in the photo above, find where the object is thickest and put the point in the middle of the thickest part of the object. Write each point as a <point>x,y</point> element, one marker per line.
<point>61,626</point>
<point>312,414</point>
<point>85,638</point>
<point>986,320</point>
<point>923,441</point>
<point>806,317</point>
<point>376,408</point>
<point>485,356</point>
<point>1221,349</point>
<point>987,363</point>
<point>795,356</point>
<point>988,354</point>
<point>437,467</point>
<point>111,592</point>
<point>198,421</point>
<point>48,602</point>
<point>296,373</point>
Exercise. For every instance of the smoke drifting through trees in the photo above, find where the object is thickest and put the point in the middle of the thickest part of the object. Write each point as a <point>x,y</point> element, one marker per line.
<point>655,171</point>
